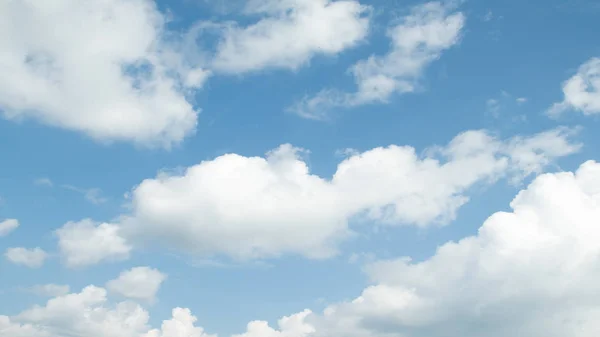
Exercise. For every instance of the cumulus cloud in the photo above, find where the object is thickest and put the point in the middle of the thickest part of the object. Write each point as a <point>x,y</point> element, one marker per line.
<point>289,326</point>
<point>8,226</point>
<point>289,33</point>
<point>9,328</point>
<point>529,272</point>
<point>260,207</point>
<point>582,91</point>
<point>68,315</point>
<point>89,313</point>
<point>182,324</point>
<point>418,40</point>
<point>32,258</point>
<point>86,242</point>
<point>108,69</point>
<point>140,283</point>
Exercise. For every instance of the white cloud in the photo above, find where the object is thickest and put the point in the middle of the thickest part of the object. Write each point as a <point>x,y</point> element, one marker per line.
<point>255,207</point>
<point>50,290</point>
<point>71,315</point>
<point>8,226</point>
<point>290,326</point>
<point>12,329</point>
<point>418,40</point>
<point>530,272</point>
<point>521,100</point>
<point>108,69</point>
<point>582,91</point>
<point>533,154</point>
<point>182,324</point>
<point>32,258</point>
<point>290,33</point>
<point>90,314</point>
<point>140,283</point>
<point>85,242</point>
<point>246,207</point>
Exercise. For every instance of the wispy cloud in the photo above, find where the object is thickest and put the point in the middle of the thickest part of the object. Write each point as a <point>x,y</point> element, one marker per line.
<point>93,195</point>
<point>418,40</point>
<point>43,182</point>
<point>581,92</point>
<point>522,100</point>
<point>493,107</point>
<point>504,101</point>
<point>488,16</point>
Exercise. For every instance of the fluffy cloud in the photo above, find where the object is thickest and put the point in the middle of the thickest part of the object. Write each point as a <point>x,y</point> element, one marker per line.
<point>8,226</point>
<point>417,40</point>
<point>530,272</point>
<point>12,329</point>
<point>582,91</point>
<point>89,313</point>
<point>69,315</point>
<point>531,154</point>
<point>140,283</point>
<point>289,326</point>
<point>32,258</point>
<point>255,207</point>
<point>108,69</point>
<point>85,242</point>
<point>290,33</point>
<point>182,324</point>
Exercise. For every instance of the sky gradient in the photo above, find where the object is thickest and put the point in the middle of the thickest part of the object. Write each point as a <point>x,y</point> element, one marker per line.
<point>299,168</point>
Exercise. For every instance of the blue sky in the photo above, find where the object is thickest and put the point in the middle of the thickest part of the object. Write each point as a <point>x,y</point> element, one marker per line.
<point>407,125</point>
